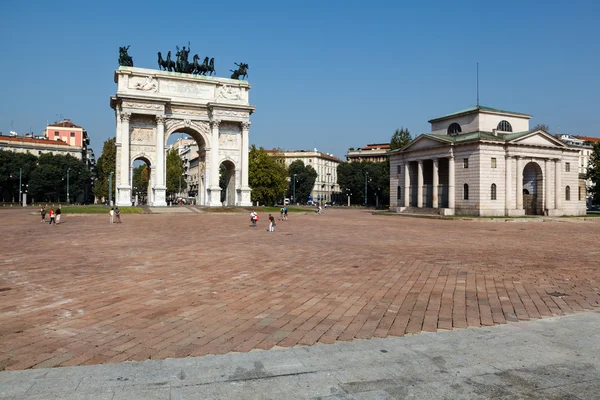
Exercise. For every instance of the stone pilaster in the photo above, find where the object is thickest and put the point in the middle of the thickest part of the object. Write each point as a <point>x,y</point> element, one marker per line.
<point>436,182</point>
<point>124,186</point>
<point>406,184</point>
<point>160,189</point>
<point>508,184</point>
<point>547,186</point>
<point>451,184</point>
<point>519,184</point>
<point>214,191</point>
<point>244,190</point>
<point>557,183</point>
<point>420,184</point>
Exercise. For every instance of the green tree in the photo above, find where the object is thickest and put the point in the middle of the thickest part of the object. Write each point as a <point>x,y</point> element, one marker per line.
<point>542,127</point>
<point>593,173</point>
<point>305,180</point>
<point>400,138</point>
<point>49,180</point>
<point>353,176</point>
<point>107,163</point>
<point>9,173</point>
<point>267,176</point>
<point>174,173</point>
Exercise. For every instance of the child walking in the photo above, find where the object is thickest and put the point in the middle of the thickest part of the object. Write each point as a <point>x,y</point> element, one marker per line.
<point>271,224</point>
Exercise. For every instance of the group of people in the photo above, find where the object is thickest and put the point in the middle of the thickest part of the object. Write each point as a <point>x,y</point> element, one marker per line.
<point>254,219</point>
<point>115,212</point>
<point>52,214</point>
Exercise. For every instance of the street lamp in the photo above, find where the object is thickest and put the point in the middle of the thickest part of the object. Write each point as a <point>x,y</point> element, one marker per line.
<point>20,187</point>
<point>68,170</point>
<point>294,192</point>
<point>366,187</point>
<point>327,187</point>
<point>348,193</point>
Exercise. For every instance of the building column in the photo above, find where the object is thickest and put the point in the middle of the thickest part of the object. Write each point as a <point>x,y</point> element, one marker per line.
<point>519,184</point>
<point>160,190</point>
<point>557,182</point>
<point>124,187</point>
<point>451,183</point>
<point>547,191</point>
<point>420,185</point>
<point>508,183</point>
<point>406,184</point>
<point>436,182</point>
<point>244,189</point>
<point>214,191</point>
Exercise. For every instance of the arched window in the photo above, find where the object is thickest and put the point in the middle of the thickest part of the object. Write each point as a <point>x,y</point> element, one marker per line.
<point>466,191</point>
<point>504,126</point>
<point>567,193</point>
<point>493,191</point>
<point>454,129</point>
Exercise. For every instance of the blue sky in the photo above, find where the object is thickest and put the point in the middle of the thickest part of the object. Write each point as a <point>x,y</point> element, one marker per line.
<point>325,74</point>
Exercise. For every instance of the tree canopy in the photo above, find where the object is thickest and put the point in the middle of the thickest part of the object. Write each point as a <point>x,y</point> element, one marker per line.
<point>9,173</point>
<point>174,172</point>
<point>49,180</point>
<point>305,181</point>
<point>140,182</point>
<point>400,138</point>
<point>593,173</point>
<point>267,176</point>
<point>106,164</point>
<point>352,178</point>
<point>543,127</point>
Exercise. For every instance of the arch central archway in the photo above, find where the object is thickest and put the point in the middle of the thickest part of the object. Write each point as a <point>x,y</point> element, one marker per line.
<point>227,183</point>
<point>533,190</point>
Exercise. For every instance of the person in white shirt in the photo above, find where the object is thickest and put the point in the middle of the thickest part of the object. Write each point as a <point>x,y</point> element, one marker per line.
<point>253,218</point>
<point>112,215</point>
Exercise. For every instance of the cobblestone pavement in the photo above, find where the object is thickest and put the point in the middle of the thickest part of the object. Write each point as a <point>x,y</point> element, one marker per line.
<point>168,286</point>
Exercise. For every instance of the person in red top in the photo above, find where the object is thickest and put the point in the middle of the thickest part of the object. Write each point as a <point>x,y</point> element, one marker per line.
<point>51,215</point>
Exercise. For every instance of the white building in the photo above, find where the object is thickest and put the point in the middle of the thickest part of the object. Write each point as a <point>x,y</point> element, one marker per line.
<point>375,152</point>
<point>326,186</point>
<point>484,161</point>
<point>38,146</point>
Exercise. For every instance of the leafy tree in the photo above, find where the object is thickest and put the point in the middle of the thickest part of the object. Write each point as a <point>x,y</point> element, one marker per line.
<point>140,182</point>
<point>9,173</point>
<point>543,127</point>
<point>266,176</point>
<point>107,163</point>
<point>593,173</point>
<point>174,172</point>
<point>400,138</point>
<point>49,180</point>
<point>305,180</point>
<point>352,178</point>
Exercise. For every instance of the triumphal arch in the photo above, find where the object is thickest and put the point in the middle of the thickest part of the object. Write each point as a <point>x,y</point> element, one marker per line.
<point>150,105</point>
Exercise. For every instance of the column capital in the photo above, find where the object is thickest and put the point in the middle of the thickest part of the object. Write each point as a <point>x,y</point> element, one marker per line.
<point>245,125</point>
<point>556,160</point>
<point>125,116</point>
<point>160,119</point>
<point>215,123</point>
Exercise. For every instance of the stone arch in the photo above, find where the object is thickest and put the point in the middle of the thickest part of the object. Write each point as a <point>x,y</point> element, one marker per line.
<point>227,181</point>
<point>199,130</point>
<point>533,183</point>
<point>139,196</point>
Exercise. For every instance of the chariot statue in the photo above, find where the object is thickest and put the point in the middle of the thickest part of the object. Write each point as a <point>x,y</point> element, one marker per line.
<point>241,72</point>
<point>124,58</point>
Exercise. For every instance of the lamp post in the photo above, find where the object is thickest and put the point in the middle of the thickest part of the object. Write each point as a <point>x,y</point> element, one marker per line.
<point>20,187</point>
<point>110,175</point>
<point>348,193</point>
<point>366,187</point>
<point>327,195</point>
<point>294,192</point>
<point>68,169</point>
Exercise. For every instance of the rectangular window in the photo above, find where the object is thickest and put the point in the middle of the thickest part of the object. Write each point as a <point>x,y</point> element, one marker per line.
<point>72,134</point>
<point>493,162</point>
<point>465,163</point>
<point>56,134</point>
<point>398,169</point>
<point>567,167</point>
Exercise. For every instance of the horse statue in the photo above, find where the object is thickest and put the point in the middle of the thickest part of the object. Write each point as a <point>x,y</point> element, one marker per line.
<point>124,58</point>
<point>167,64</point>
<point>211,66</point>
<point>202,69</point>
<point>241,72</point>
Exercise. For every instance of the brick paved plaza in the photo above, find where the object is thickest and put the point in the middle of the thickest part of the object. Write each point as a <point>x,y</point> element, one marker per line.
<point>163,286</point>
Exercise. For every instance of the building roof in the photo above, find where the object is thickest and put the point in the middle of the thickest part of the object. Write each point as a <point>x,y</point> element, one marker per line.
<point>318,154</point>
<point>477,109</point>
<point>65,123</point>
<point>375,146</point>
<point>588,138</point>
<point>22,139</point>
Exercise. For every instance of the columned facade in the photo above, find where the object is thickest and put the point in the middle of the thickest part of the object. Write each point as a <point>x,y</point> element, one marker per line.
<point>151,105</point>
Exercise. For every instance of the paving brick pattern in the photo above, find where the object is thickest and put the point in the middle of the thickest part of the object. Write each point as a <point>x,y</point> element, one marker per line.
<point>164,286</point>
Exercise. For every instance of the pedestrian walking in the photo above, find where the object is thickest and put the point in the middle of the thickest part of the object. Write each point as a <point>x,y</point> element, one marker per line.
<point>253,219</point>
<point>51,215</point>
<point>112,215</point>
<point>58,212</point>
<point>281,214</point>
<point>285,210</point>
<point>118,214</point>
<point>43,213</point>
<point>271,224</point>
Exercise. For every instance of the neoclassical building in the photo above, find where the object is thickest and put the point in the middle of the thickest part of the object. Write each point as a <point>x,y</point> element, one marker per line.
<point>151,105</point>
<point>487,162</point>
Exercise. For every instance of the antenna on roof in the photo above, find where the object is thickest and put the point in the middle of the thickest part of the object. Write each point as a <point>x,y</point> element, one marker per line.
<point>477,84</point>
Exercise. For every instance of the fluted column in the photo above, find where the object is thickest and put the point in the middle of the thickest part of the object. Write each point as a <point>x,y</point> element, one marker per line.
<point>519,184</point>
<point>244,168</point>
<point>214,189</point>
<point>124,186</point>
<point>420,184</point>
<point>451,183</point>
<point>557,182</point>
<point>406,184</point>
<point>508,183</point>
<point>160,190</point>
<point>436,182</point>
<point>547,186</point>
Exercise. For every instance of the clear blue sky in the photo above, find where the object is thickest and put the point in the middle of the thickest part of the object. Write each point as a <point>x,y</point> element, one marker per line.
<point>325,74</point>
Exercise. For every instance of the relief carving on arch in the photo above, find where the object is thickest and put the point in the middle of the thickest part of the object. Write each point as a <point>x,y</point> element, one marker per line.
<point>142,135</point>
<point>229,141</point>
